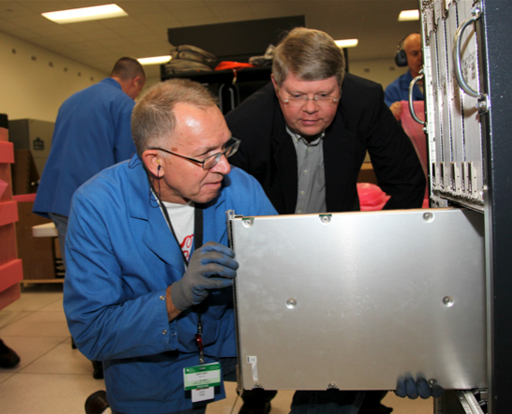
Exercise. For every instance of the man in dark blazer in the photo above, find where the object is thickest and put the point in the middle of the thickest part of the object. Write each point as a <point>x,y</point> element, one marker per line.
<point>360,121</point>
<point>304,138</point>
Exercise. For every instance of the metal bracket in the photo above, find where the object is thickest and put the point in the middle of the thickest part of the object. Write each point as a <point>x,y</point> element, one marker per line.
<point>469,403</point>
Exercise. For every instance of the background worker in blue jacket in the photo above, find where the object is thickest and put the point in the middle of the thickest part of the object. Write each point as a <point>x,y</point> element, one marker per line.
<point>398,90</point>
<point>148,289</point>
<point>92,132</point>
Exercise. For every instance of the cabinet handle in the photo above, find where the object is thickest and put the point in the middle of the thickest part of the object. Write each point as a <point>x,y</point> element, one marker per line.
<point>411,106</point>
<point>476,13</point>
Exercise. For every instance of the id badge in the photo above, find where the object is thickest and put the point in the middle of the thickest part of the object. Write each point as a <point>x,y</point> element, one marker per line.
<point>201,380</point>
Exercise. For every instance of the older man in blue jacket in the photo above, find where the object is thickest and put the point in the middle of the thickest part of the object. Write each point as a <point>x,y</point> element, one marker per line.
<point>143,293</point>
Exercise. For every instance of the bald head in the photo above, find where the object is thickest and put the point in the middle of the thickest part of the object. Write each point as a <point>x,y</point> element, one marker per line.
<point>412,49</point>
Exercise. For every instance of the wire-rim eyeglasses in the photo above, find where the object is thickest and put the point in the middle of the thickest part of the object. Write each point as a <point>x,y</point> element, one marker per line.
<point>322,100</point>
<point>211,161</point>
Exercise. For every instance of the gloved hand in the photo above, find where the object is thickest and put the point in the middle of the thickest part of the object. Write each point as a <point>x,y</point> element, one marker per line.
<point>407,387</point>
<point>211,267</point>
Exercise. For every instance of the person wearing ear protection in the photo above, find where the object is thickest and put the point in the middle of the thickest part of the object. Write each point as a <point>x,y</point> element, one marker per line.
<point>409,55</point>
<point>92,132</point>
<point>148,289</point>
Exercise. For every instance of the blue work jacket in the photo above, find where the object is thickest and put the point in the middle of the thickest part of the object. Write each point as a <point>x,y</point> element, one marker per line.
<point>92,132</point>
<point>398,90</point>
<point>121,258</point>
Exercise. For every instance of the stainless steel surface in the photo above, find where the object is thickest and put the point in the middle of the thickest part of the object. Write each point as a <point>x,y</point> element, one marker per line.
<point>410,100</point>
<point>457,53</point>
<point>469,403</point>
<point>453,101</point>
<point>360,299</point>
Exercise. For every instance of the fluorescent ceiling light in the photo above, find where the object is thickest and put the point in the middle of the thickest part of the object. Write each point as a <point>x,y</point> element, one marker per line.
<point>409,15</point>
<point>154,60</point>
<point>347,43</point>
<point>107,11</point>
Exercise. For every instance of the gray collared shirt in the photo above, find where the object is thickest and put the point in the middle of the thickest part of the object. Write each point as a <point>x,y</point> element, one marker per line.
<point>310,174</point>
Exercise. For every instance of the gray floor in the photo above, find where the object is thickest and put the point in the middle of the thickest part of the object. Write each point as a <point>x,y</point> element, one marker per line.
<point>53,378</point>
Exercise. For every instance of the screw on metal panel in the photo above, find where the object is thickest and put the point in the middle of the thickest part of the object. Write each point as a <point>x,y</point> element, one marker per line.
<point>428,217</point>
<point>448,301</point>
<point>257,385</point>
<point>325,218</point>
<point>291,303</point>
<point>248,222</point>
<point>481,106</point>
<point>332,386</point>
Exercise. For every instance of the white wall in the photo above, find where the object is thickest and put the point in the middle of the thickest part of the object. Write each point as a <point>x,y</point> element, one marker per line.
<point>383,71</point>
<point>34,81</point>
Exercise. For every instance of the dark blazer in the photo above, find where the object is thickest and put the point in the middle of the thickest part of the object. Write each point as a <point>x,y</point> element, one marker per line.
<point>363,122</point>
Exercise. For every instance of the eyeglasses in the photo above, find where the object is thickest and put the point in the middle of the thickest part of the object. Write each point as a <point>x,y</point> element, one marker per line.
<point>322,100</point>
<point>212,160</point>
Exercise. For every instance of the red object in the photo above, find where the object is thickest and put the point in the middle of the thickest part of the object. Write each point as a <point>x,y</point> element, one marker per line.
<point>418,138</point>
<point>8,212</point>
<point>10,274</point>
<point>6,152</point>
<point>233,65</point>
<point>199,341</point>
<point>20,198</point>
<point>371,197</point>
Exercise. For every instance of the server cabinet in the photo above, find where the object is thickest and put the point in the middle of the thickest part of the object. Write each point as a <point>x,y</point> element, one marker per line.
<point>468,99</point>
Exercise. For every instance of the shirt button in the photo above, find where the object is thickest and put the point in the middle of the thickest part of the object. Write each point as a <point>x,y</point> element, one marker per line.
<point>302,193</point>
<point>305,171</point>
<point>164,332</point>
<point>173,334</point>
<point>162,297</point>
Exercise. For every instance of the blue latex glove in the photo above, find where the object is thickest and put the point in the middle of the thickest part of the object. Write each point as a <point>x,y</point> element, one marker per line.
<point>210,267</point>
<point>407,387</point>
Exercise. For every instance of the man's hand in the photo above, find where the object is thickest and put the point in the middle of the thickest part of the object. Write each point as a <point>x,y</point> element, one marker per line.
<point>396,108</point>
<point>210,267</point>
<point>407,387</point>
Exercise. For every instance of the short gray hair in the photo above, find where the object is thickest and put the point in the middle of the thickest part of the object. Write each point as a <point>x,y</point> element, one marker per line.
<point>153,116</point>
<point>309,54</point>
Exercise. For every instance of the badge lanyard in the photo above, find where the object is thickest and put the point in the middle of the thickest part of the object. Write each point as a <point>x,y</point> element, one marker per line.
<point>198,242</point>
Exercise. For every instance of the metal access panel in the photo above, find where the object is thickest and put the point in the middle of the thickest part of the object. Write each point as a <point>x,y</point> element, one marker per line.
<point>354,300</point>
<point>454,104</point>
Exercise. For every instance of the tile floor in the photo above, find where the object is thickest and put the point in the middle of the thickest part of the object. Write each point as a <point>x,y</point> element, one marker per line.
<point>53,378</point>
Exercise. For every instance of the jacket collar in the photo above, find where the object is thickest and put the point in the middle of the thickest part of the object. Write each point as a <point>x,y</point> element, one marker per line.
<point>285,160</point>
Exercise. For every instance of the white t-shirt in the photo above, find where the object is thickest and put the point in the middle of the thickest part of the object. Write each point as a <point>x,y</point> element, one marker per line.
<point>182,221</point>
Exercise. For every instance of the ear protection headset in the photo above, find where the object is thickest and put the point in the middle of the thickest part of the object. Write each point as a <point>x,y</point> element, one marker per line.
<point>401,57</point>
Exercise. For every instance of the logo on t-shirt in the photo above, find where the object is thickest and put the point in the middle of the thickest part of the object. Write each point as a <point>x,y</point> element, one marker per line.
<point>186,246</point>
